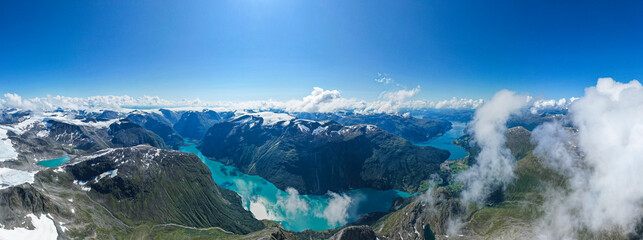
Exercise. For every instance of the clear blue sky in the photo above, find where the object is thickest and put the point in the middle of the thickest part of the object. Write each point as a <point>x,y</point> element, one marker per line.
<point>259,49</point>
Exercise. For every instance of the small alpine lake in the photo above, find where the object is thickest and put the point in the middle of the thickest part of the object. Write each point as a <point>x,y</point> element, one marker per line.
<point>53,162</point>
<point>297,212</point>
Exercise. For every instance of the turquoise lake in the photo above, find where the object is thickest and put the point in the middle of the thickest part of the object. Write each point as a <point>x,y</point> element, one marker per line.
<point>297,212</point>
<point>446,141</point>
<point>54,162</point>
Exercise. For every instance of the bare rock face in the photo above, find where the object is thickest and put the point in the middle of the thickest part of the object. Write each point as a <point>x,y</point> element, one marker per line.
<point>355,233</point>
<point>18,201</point>
<point>158,125</point>
<point>425,213</point>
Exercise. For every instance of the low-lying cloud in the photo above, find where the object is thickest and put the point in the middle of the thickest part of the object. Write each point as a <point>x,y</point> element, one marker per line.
<point>601,160</point>
<point>494,164</point>
<point>293,203</point>
<point>336,213</point>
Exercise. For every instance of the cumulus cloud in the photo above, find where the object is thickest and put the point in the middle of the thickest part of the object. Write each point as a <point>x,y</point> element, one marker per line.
<point>391,102</point>
<point>494,164</point>
<point>319,100</point>
<point>550,104</point>
<point>601,160</point>
<point>12,100</point>
<point>400,96</point>
<point>336,213</point>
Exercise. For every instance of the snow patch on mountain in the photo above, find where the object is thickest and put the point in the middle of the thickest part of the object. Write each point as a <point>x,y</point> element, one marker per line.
<point>44,228</point>
<point>6,147</point>
<point>271,118</point>
<point>320,130</point>
<point>12,177</point>
<point>303,128</point>
<point>110,174</point>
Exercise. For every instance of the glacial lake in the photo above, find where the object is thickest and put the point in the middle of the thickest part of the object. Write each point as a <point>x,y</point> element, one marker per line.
<point>297,212</point>
<point>53,162</point>
<point>446,141</point>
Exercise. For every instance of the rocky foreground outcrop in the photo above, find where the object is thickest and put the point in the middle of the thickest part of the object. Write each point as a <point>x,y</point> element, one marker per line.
<point>355,233</point>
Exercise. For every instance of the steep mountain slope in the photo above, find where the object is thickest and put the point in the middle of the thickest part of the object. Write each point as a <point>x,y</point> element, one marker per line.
<point>82,137</point>
<point>315,157</point>
<point>158,124</point>
<point>127,134</point>
<point>104,192</point>
<point>148,185</point>
<point>171,116</point>
<point>194,124</point>
<point>123,193</point>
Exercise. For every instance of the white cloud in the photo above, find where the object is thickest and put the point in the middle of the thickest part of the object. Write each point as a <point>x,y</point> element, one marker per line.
<point>383,78</point>
<point>391,102</point>
<point>453,103</point>
<point>90,103</point>
<point>319,100</point>
<point>494,164</point>
<point>550,104</point>
<point>293,203</point>
<point>260,211</point>
<point>429,197</point>
<point>601,161</point>
<point>337,210</point>
<point>401,95</point>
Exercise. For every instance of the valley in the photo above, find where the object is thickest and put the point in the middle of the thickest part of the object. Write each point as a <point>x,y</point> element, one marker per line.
<point>107,161</point>
<point>266,201</point>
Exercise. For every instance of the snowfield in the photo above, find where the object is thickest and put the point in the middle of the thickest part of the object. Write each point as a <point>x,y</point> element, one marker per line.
<point>11,177</point>
<point>44,228</point>
<point>6,147</point>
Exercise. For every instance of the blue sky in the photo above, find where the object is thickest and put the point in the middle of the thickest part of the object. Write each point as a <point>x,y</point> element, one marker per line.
<point>260,49</point>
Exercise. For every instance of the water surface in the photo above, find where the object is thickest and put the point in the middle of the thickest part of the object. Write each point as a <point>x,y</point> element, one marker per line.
<point>54,162</point>
<point>297,212</point>
<point>446,141</point>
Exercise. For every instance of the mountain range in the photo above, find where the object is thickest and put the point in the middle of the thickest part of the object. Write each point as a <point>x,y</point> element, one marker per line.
<point>125,180</point>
